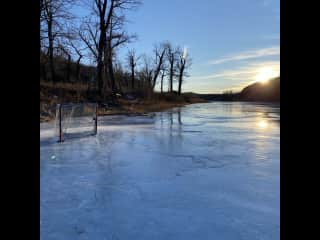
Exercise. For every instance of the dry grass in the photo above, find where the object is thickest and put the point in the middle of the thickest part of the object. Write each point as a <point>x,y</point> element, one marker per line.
<point>146,106</point>
<point>139,108</point>
<point>65,86</point>
<point>52,94</point>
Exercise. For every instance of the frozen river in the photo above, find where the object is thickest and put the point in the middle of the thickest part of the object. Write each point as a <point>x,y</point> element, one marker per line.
<point>204,171</point>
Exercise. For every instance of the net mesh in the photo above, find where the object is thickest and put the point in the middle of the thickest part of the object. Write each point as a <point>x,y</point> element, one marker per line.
<point>75,120</point>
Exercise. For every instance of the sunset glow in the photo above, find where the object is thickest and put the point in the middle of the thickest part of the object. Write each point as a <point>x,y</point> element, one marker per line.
<point>262,124</point>
<point>265,74</point>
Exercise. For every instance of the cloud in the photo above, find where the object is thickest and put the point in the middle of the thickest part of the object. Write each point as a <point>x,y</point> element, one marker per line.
<point>232,79</point>
<point>230,74</point>
<point>258,53</point>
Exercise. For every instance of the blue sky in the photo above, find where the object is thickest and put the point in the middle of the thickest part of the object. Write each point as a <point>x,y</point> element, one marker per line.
<point>228,40</point>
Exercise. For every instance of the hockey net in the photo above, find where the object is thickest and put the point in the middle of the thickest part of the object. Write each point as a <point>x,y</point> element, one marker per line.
<point>75,120</point>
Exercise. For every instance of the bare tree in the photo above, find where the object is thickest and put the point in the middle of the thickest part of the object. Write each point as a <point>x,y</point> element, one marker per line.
<point>104,34</point>
<point>159,51</point>
<point>146,72</point>
<point>183,63</point>
<point>121,76</point>
<point>171,55</point>
<point>132,60</point>
<point>163,74</point>
<point>42,22</point>
<point>53,13</point>
<point>79,53</point>
<point>116,37</point>
<point>67,53</point>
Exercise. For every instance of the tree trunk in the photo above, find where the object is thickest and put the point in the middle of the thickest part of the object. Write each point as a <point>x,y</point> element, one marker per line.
<point>180,83</point>
<point>162,76</point>
<point>119,86</point>
<point>100,77</point>
<point>183,62</point>
<point>50,49</point>
<point>78,69</point>
<point>171,76</point>
<point>158,68</point>
<point>111,75</point>
<point>132,77</point>
<point>127,82</point>
<point>100,65</point>
<point>109,68</point>
<point>68,68</point>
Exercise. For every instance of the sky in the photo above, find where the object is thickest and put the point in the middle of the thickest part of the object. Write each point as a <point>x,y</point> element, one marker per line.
<point>229,41</point>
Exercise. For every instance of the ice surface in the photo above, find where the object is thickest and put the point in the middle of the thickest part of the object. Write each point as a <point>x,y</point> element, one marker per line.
<point>204,171</point>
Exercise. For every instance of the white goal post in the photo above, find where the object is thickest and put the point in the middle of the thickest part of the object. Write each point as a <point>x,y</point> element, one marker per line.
<point>76,120</point>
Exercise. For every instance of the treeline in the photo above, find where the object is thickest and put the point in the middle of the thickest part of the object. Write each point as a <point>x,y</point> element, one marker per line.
<point>258,92</point>
<point>67,42</point>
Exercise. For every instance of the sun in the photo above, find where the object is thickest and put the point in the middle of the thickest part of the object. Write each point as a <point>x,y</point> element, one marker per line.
<point>265,74</point>
<point>262,124</point>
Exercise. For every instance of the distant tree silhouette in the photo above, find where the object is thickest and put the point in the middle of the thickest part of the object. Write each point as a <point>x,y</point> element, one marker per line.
<point>163,74</point>
<point>171,55</point>
<point>132,60</point>
<point>146,73</point>
<point>78,51</point>
<point>67,53</point>
<point>159,51</point>
<point>183,63</point>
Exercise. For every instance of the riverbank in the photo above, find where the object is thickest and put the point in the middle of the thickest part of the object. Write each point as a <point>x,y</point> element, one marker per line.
<point>134,103</point>
<point>126,104</point>
<point>129,108</point>
<point>144,106</point>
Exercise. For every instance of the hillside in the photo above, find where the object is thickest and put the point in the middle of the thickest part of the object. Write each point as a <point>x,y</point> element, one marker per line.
<point>269,92</point>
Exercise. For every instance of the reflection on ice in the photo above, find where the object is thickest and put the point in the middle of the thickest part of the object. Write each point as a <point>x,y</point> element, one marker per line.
<point>204,171</point>
<point>262,124</point>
